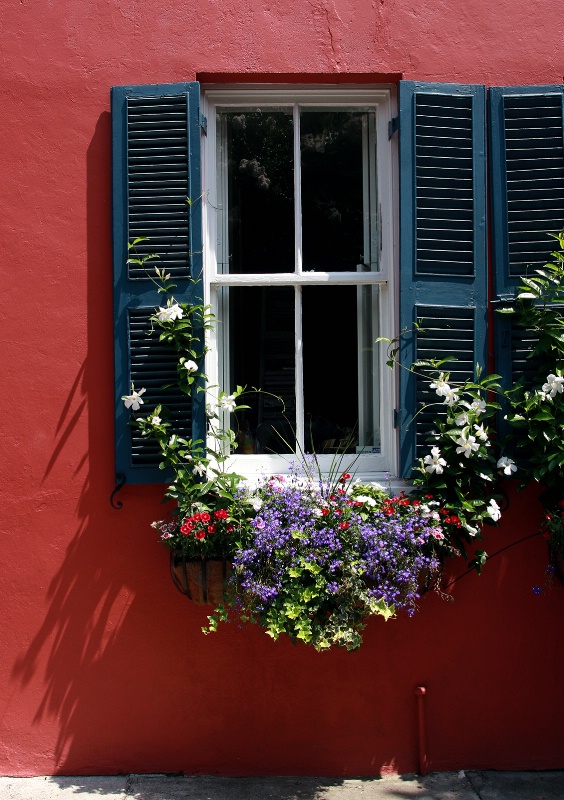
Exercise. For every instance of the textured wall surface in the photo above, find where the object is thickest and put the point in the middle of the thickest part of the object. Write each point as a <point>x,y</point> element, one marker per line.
<point>103,668</point>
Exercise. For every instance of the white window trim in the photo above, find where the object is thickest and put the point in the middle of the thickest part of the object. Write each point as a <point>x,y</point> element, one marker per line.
<point>376,467</point>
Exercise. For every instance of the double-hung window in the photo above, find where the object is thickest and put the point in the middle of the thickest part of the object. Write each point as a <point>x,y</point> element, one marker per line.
<point>314,220</point>
<point>299,265</point>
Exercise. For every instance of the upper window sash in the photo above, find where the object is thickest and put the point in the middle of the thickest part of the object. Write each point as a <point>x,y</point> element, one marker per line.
<point>378,100</point>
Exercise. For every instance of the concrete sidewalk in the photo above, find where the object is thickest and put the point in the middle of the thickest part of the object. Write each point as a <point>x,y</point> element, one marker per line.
<point>483,785</point>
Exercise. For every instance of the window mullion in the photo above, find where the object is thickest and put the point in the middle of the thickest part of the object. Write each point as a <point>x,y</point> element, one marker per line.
<point>297,191</point>
<point>299,369</point>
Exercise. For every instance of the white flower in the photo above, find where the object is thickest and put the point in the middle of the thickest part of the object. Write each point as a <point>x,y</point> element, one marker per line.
<point>170,313</point>
<point>507,465</point>
<point>434,462</point>
<point>256,503</point>
<point>494,510</point>
<point>440,385</point>
<point>553,385</point>
<point>133,400</point>
<point>199,469</point>
<point>191,366</point>
<point>155,420</point>
<point>451,396</point>
<point>472,531</point>
<point>467,446</point>
<point>369,501</point>
<point>481,433</point>
<point>478,406</point>
<point>461,420</point>
<point>227,403</point>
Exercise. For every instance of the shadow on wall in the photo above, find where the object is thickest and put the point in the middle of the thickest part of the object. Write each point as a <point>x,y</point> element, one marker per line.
<point>90,595</point>
<point>118,672</point>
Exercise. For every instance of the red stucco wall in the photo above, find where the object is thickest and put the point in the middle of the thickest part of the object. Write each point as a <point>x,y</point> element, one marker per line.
<point>102,665</point>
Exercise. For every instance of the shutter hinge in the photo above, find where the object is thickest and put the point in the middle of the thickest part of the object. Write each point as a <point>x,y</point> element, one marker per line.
<point>204,124</point>
<point>393,126</point>
<point>396,418</point>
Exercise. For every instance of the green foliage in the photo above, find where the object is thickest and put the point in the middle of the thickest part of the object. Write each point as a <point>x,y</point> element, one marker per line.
<point>536,411</point>
<point>463,469</point>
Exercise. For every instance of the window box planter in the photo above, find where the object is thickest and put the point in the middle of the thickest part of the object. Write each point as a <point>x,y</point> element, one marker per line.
<point>201,580</point>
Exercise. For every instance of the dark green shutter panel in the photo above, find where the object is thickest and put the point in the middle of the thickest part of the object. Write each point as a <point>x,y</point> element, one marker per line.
<point>443,242</point>
<point>156,170</point>
<point>527,174</point>
<point>527,179</point>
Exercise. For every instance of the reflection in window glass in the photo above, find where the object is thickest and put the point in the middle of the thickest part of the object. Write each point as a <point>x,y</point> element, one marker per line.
<point>332,189</point>
<point>340,369</point>
<point>262,324</point>
<point>256,149</point>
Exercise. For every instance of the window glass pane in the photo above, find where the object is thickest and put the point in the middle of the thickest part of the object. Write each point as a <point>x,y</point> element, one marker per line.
<point>339,326</point>
<point>256,165</point>
<point>262,354</point>
<point>338,207</point>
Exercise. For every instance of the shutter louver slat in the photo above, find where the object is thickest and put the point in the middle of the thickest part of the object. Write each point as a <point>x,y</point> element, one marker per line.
<point>444,184</point>
<point>444,332</point>
<point>153,366</point>
<point>534,177</point>
<point>157,175</point>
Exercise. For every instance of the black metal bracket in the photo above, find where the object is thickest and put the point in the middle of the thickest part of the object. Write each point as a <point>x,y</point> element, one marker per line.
<point>120,483</point>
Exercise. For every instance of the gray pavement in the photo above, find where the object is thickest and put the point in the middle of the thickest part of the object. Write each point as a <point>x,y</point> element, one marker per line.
<point>482,785</point>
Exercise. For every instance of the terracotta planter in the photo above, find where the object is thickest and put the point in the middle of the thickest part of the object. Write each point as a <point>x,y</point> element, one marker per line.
<point>202,580</point>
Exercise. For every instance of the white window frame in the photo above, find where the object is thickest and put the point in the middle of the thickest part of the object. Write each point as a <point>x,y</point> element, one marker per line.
<point>369,466</point>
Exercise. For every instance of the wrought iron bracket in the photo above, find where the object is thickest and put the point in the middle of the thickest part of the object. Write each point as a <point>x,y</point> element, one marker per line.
<point>120,483</point>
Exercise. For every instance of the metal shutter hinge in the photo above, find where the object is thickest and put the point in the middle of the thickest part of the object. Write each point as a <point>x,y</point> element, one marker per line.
<point>396,418</point>
<point>204,124</point>
<point>393,126</point>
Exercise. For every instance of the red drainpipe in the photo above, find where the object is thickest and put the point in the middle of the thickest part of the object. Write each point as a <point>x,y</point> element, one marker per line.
<point>420,692</point>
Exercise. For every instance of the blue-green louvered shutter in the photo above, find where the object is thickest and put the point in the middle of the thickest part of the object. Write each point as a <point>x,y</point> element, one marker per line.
<point>156,170</point>
<point>527,179</point>
<point>443,258</point>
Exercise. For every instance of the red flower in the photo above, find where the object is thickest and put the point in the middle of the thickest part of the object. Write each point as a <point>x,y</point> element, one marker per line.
<point>205,517</point>
<point>200,535</point>
<point>211,528</point>
<point>428,497</point>
<point>324,511</point>
<point>344,477</point>
<point>230,529</point>
<point>444,512</point>
<point>404,501</point>
<point>344,525</point>
<point>185,529</point>
<point>416,503</point>
<point>561,503</point>
<point>197,517</point>
<point>221,514</point>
